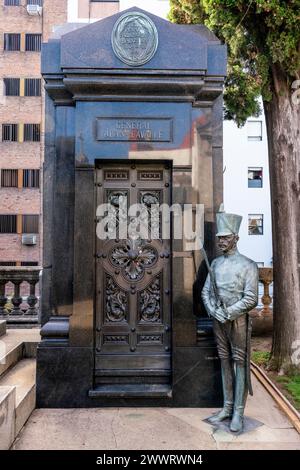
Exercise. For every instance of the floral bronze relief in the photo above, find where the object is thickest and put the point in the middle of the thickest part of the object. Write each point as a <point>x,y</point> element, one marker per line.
<point>133,257</point>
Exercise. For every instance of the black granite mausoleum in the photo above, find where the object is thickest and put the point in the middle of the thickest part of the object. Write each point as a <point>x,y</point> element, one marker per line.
<point>103,342</point>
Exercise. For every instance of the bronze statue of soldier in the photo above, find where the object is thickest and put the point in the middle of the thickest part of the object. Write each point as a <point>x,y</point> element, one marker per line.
<point>229,293</point>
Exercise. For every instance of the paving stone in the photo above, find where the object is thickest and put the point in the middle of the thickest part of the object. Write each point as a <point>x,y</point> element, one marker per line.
<point>156,428</point>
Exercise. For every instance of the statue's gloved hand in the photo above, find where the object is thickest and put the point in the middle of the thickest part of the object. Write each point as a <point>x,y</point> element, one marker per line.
<point>220,314</point>
<point>231,316</point>
<point>210,307</point>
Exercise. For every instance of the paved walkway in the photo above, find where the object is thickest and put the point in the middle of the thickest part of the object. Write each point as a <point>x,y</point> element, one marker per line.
<point>155,428</point>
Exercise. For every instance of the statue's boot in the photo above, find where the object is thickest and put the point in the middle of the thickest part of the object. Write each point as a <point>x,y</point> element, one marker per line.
<point>241,392</point>
<point>227,383</point>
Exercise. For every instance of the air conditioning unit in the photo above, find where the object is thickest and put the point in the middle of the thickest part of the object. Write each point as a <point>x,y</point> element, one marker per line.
<point>34,10</point>
<point>28,239</point>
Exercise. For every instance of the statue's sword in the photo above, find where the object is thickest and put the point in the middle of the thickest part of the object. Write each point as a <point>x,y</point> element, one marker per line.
<point>248,352</point>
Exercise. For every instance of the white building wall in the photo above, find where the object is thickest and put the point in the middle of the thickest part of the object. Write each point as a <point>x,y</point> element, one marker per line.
<point>239,155</point>
<point>72,11</point>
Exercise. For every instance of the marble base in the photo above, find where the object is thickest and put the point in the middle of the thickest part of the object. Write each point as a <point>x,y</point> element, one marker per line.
<point>65,379</point>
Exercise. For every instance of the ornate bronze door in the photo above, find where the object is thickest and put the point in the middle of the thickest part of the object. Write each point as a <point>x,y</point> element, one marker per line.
<point>133,300</point>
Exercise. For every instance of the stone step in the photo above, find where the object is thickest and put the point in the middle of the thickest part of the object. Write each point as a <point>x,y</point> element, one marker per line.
<point>17,381</point>
<point>22,377</point>
<point>131,390</point>
<point>2,327</point>
<point>7,416</point>
<point>10,356</point>
<point>16,345</point>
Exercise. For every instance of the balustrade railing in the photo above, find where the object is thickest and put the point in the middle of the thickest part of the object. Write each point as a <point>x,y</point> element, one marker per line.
<point>19,297</point>
<point>19,294</point>
<point>266,279</point>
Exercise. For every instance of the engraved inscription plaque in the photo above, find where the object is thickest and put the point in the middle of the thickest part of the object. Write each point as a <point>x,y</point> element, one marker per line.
<point>134,38</point>
<point>134,129</point>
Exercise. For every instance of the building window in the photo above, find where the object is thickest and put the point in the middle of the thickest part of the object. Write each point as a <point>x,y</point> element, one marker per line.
<point>8,223</point>
<point>32,87</point>
<point>29,263</point>
<point>255,177</point>
<point>9,178</point>
<point>9,132</point>
<point>35,2</point>
<point>33,42</point>
<point>8,263</point>
<point>254,130</point>
<point>12,86</point>
<point>11,3</point>
<point>255,224</point>
<point>30,224</point>
<point>12,42</point>
<point>31,178</point>
<point>32,133</point>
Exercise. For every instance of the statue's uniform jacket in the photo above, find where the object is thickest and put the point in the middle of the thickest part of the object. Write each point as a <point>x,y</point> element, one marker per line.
<point>236,277</point>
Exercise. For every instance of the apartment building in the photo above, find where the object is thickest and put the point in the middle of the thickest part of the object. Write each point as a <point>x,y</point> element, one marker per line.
<point>247,186</point>
<point>24,25</point>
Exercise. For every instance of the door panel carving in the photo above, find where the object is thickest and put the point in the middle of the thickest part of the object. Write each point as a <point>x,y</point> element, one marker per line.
<point>133,291</point>
<point>116,302</point>
<point>150,302</point>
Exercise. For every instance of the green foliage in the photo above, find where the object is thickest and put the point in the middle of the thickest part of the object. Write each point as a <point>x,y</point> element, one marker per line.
<point>261,358</point>
<point>290,381</point>
<point>261,36</point>
<point>292,384</point>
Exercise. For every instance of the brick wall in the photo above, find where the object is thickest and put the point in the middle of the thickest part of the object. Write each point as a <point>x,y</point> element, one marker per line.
<point>11,249</point>
<point>20,201</point>
<point>14,155</point>
<point>55,14</point>
<point>99,10</point>
<point>21,108</point>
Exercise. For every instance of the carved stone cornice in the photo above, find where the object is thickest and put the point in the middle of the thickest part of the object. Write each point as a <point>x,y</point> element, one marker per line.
<point>56,89</point>
<point>66,89</point>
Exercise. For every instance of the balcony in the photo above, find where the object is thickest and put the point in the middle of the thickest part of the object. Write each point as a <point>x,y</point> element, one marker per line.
<point>19,295</point>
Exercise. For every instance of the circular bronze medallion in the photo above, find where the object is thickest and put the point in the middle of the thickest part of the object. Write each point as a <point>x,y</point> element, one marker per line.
<point>134,38</point>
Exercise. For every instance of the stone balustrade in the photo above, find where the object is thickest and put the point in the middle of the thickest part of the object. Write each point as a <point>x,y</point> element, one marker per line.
<point>17,308</point>
<point>266,278</point>
<point>262,315</point>
<point>19,302</point>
